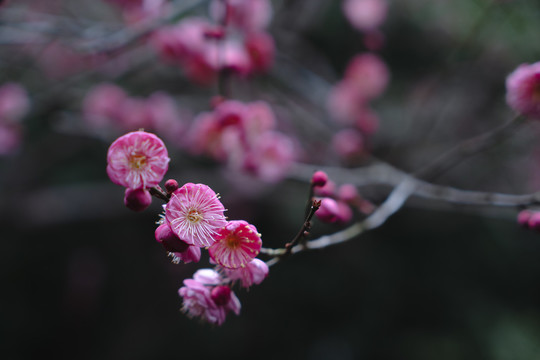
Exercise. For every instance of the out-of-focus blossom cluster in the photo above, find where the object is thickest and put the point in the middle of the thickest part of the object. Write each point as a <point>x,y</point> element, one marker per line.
<point>366,78</point>
<point>523,90</point>
<point>107,107</point>
<point>235,40</point>
<point>337,203</point>
<point>244,136</point>
<point>367,16</point>
<point>14,105</point>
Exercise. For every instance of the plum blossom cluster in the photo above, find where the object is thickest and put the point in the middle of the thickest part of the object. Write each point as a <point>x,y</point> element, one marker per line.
<point>366,78</point>
<point>107,107</point>
<point>193,219</point>
<point>14,105</point>
<point>234,39</point>
<point>244,137</point>
<point>337,203</point>
<point>523,90</point>
<point>367,16</point>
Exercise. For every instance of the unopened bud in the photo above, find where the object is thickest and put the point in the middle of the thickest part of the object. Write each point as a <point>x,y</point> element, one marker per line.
<point>137,199</point>
<point>524,217</point>
<point>319,178</point>
<point>171,185</point>
<point>169,240</point>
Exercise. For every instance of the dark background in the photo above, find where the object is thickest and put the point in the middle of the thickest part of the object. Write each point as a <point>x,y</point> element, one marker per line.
<point>83,278</point>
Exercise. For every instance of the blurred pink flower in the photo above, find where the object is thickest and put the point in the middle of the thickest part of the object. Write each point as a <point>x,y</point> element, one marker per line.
<point>348,143</point>
<point>261,49</point>
<point>102,105</point>
<point>14,102</point>
<point>369,74</point>
<point>365,15</point>
<point>201,300</point>
<point>237,243</point>
<point>195,214</point>
<point>523,90</point>
<point>332,211</point>
<point>137,160</point>
<point>253,273</point>
<point>345,102</point>
<point>271,156</point>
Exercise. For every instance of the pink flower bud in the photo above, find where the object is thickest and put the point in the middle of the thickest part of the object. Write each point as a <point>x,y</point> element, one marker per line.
<point>319,178</point>
<point>171,185</point>
<point>523,90</point>
<point>524,217</point>
<point>332,211</point>
<point>534,221</point>
<point>221,295</point>
<point>169,240</point>
<point>137,199</point>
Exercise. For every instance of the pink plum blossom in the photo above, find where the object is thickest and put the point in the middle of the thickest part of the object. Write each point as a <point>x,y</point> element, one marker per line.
<point>195,214</point>
<point>369,74</point>
<point>261,49</point>
<point>137,160</point>
<point>345,102</point>
<point>102,104</point>
<point>237,243</point>
<point>201,300</point>
<point>253,273</point>
<point>365,15</point>
<point>523,90</point>
<point>271,156</point>
<point>348,143</point>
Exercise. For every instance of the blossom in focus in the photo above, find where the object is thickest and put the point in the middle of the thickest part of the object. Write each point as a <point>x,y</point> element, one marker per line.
<point>523,90</point>
<point>195,214</point>
<point>365,15</point>
<point>204,298</point>
<point>137,160</point>
<point>237,243</point>
<point>253,273</point>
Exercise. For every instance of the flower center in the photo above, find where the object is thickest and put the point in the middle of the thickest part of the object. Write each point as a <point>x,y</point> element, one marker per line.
<point>194,216</point>
<point>137,161</point>
<point>233,241</point>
